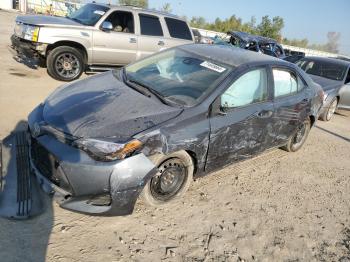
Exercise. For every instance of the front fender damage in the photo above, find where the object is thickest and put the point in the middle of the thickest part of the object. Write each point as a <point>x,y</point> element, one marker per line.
<point>127,181</point>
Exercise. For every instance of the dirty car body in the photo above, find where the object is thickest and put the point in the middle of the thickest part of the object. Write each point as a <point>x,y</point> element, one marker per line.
<point>176,100</point>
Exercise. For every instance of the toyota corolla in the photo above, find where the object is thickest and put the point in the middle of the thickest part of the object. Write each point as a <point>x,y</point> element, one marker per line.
<point>149,129</point>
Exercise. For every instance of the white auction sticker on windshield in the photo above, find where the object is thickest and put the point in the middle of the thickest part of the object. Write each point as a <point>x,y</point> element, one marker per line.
<point>99,12</point>
<point>213,67</point>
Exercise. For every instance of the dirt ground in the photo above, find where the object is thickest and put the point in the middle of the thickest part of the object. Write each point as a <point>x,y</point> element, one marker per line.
<point>277,207</point>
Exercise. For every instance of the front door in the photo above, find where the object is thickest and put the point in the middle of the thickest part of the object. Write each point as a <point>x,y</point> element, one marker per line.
<point>240,130</point>
<point>119,45</point>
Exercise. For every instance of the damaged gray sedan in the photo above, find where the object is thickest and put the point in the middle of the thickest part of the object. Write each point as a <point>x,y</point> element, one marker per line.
<point>149,129</point>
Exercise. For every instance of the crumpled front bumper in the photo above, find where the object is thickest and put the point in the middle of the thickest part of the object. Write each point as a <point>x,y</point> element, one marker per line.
<point>84,185</point>
<point>27,48</point>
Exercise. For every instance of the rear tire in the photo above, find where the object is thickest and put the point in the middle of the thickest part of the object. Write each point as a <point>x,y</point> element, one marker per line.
<point>171,181</point>
<point>65,63</point>
<point>299,138</point>
<point>328,114</point>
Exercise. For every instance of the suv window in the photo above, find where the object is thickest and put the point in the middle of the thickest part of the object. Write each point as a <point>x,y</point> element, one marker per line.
<point>286,82</point>
<point>248,89</point>
<point>150,25</point>
<point>178,28</point>
<point>122,21</point>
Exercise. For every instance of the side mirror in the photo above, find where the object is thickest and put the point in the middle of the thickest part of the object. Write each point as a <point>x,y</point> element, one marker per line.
<point>217,108</point>
<point>106,26</point>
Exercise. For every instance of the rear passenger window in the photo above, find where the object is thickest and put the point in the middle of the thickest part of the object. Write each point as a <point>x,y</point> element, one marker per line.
<point>286,82</point>
<point>150,25</point>
<point>178,28</point>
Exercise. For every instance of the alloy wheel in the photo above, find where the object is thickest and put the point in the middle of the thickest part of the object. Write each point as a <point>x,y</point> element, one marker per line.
<point>67,65</point>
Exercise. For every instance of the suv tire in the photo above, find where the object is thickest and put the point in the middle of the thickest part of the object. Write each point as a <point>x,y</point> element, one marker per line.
<point>65,63</point>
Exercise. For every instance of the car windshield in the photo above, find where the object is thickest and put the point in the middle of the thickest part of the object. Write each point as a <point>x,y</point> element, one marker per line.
<point>178,75</point>
<point>330,70</point>
<point>88,14</point>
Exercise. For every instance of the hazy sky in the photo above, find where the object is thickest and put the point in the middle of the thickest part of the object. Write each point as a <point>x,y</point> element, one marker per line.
<point>310,19</point>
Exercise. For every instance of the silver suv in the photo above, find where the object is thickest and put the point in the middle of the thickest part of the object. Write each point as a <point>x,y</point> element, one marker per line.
<point>96,36</point>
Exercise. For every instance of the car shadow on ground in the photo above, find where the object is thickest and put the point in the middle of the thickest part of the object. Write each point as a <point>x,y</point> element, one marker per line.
<point>334,134</point>
<point>22,239</point>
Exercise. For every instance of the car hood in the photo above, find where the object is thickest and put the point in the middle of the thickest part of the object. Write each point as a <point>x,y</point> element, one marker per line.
<point>45,20</point>
<point>325,83</point>
<point>104,107</point>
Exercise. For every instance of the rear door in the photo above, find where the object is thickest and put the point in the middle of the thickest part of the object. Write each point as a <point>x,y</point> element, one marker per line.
<point>119,45</point>
<point>179,32</point>
<point>292,103</point>
<point>240,129</point>
<point>151,38</point>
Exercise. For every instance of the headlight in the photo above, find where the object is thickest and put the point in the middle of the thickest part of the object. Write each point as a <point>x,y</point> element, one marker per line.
<point>107,151</point>
<point>30,32</point>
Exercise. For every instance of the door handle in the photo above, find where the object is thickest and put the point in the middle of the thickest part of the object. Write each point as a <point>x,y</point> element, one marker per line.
<point>264,114</point>
<point>161,43</point>
<point>132,40</point>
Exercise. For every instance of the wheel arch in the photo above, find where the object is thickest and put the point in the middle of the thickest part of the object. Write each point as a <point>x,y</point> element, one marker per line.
<point>70,44</point>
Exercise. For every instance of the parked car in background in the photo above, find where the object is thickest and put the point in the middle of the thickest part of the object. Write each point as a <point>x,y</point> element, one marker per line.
<point>334,77</point>
<point>154,125</point>
<point>293,56</point>
<point>96,36</point>
<point>256,43</point>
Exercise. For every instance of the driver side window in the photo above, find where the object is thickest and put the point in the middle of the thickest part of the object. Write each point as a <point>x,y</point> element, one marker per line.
<point>248,89</point>
<point>122,21</point>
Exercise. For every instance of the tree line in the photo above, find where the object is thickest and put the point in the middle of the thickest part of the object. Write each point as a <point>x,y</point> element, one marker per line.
<point>268,27</point>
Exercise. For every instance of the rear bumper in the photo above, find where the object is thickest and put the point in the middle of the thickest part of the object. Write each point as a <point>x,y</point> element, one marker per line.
<point>82,184</point>
<point>27,48</point>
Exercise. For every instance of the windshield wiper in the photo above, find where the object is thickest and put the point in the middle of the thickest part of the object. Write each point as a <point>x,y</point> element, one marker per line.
<point>149,90</point>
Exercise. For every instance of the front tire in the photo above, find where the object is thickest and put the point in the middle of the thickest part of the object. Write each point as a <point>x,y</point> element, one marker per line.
<point>174,176</point>
<point>65,63</point>
<point>299,138</point>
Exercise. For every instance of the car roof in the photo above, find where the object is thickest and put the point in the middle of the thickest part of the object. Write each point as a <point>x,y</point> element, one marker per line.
<point>327,59</point>
<point>144,10</point>
<point>231,55</point>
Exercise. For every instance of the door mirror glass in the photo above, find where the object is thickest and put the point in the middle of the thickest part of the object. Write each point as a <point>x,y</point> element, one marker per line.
<point>106,26</point>
<point>248,89</point>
